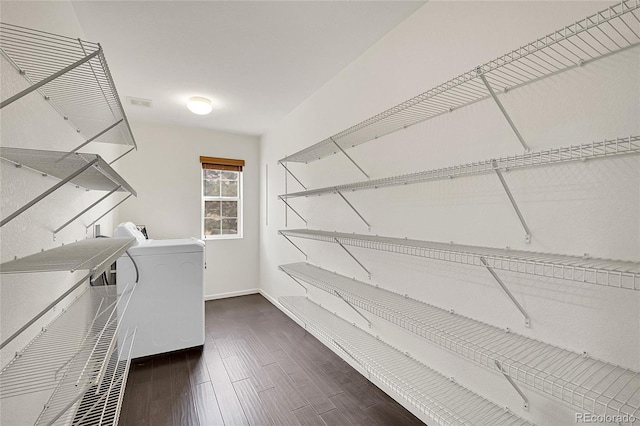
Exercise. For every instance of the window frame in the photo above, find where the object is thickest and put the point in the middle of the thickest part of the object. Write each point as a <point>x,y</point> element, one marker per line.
<point>240,199</point>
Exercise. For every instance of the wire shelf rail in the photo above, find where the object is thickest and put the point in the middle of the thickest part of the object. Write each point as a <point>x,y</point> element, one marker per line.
<point>101,403</point>
<point>586,383</point>
<point>583,152</point>
<point>604,33</point>
<point>100,176</point>
<point>87,170</point>
<point>605,272</point>
<point>438,397</point>
<point>76,358</point>
<point>93,254</point>
<point>73,76</point>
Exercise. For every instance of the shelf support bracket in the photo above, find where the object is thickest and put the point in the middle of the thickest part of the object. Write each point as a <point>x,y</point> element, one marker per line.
<point>364,367</point>
<point>294,210</point>
<point>295,245</point>
<point>292,175</point>
<point>48,192</point>
<point>354,209</point>
<point>108,211</point>
<point>352,307</point>
<point>480,74</point>
<point>88,141</point>
<point>527,231</point>
<point>45,310</point>
<point>349,157</point>
<point>84,211</point>
<point>295,279</point>
<point>525,400</point>
<point>527,320</point>
<point>52,77</point>
<point>353,257</point>
<point>122,155</point>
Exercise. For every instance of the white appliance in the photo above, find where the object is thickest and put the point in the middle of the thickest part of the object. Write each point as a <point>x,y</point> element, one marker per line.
<point>167,306</point>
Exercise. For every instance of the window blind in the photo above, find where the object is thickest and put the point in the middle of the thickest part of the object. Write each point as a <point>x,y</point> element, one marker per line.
<point>216,163</point>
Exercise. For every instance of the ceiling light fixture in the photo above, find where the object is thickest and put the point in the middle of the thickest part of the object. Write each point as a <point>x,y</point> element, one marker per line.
<point>199,105</point>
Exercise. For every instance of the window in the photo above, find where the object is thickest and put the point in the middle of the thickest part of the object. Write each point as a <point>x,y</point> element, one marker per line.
<point>221,198</point>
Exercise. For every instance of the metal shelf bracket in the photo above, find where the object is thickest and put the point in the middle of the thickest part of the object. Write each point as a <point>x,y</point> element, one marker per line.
<point>349,157</point>
<point>342,348</point>
<point>306,290</point>
<point>294,244</point>
<point>53,76</point>
<point>84,211</point>
<point>122,155</point>
<point>354,209</point>
<point>353,257</point>
<point>47,192</point>
<point>292,175</point>
<point>502,109</point>
<point>352,307</point>
<point>108,211</point>
<point>527,231</point>
<point>91,139</point>
<point>44,311</point>
<point>525,400</point>
<point>527,320</point>
<point>294,210</point>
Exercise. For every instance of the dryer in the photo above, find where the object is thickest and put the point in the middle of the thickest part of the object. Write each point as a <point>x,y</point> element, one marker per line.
<point>167,306</point>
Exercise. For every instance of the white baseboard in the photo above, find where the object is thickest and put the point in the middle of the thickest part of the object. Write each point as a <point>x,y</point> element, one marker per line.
<point>232,294</point>
<point>270,299</point>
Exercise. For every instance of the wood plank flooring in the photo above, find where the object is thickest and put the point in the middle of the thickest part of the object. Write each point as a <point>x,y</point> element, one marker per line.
<point>258,367</point>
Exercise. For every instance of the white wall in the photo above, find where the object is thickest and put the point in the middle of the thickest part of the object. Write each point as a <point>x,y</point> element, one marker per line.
<point>32,123</point>
<point>590,207</point>
<point>166,173</point>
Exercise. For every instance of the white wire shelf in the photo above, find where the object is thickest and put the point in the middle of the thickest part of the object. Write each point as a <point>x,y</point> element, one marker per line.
<point>94,254</point>
<point>596,36</point>
<point>76,358</point>
<point>583,152</point>
<point>605,272</point>
<point>438,397</point>
<point>100,404</point>
<point>73,76</point>
<point>100,176</point>
<point>589,384</point>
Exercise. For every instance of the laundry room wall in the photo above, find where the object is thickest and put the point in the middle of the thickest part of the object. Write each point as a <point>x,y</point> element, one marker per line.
<point>32,123</point>
<point>579,208</point>
<point>166,172</point>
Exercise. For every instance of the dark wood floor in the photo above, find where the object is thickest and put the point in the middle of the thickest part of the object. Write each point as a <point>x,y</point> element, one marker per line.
<point>258,367</point>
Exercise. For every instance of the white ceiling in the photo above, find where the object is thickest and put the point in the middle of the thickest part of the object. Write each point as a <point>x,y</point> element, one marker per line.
<point>256,60</point>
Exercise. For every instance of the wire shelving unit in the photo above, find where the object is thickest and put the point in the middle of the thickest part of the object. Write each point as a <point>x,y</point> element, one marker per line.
<point>73,76</point>
<point>77,360</point>
<point>583,152</point>
<point>93,254</point>
<point>99,176</point>
<point>80,361</point>
<point>605,272</point>
<point>604,33</point>
<point>89,171</point>
<point>438,397</point>
<point>586,383</point>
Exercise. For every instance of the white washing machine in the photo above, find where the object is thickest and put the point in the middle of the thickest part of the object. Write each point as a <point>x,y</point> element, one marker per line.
<point>167,306</point>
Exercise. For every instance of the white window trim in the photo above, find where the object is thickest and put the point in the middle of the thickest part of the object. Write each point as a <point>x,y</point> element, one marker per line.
<point>237,236</point>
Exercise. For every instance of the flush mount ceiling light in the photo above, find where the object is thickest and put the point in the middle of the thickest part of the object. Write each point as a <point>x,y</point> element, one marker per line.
<point>199,105</point>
